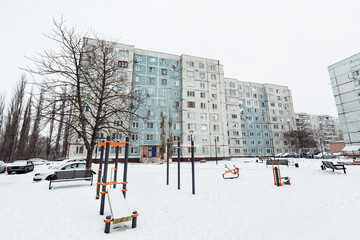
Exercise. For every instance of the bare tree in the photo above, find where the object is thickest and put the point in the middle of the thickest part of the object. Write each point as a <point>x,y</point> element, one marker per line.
<point>10,137</point>
<point>170,134</point>
<point>301,139</point>
<point>162,137</point>
<point>24,133</point>
<point>51,130</point>
<point>95,83</point>
<point>32,150</point>
<point>2,105</point>
<point>60,127</point>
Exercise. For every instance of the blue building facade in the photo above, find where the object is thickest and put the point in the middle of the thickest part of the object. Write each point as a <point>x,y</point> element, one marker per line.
<point>158,78</point>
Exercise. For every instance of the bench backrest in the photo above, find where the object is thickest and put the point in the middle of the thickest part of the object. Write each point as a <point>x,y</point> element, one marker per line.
<point>276,162</point>
<point>73,174</point>
<point>328,164</point>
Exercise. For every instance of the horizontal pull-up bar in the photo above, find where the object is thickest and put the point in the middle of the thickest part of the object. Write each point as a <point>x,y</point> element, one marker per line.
<point>173,142</point>
<point>116,144</point>
<point>186,147</point>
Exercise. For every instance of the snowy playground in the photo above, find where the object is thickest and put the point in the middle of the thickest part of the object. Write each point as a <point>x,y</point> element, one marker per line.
<point>317,205</point>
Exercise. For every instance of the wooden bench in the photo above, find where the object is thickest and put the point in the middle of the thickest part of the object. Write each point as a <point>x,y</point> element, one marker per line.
<point>277,162</point>
<point>328,164</point>
<point>74,175</point>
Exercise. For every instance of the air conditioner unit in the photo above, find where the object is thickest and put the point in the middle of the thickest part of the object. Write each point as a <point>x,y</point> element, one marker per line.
<point>174,66</point>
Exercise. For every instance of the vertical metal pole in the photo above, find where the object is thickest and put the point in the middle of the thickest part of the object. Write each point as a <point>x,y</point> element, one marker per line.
<point>167,162</point>
<point>192,165</point>
<point>100,171</point>
<point>104,178</point>
<point>277,176</point>
<point>216,152</point>
<point>116,163</point>
<point>179,149</point>
<point>126,165</point>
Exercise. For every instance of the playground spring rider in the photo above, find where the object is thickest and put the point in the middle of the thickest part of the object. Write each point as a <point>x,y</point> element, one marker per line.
<point>277,176</point>
<point>117,203</point>
<point>234,173</point>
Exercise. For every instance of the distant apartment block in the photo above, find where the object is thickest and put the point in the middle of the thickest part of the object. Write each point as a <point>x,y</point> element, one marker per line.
<point>326,129</point>
<point>345,82</point>
<point>225,117</point>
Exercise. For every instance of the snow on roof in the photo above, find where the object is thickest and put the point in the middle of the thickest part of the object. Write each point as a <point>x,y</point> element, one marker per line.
<point>351,148</point>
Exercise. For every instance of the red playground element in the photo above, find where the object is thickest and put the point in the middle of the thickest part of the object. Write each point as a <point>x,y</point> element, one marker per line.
<point>233,173</point>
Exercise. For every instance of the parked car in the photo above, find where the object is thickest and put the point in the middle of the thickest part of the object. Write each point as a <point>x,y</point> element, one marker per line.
<point>70,160</point>
<point>19,166</point>
<point>39,161</point>
<point>63,167</point>
<point>2,167</point>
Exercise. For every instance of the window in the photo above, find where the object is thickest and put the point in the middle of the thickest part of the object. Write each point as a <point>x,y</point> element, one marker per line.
<point>176,93</point>
<point>134,137</point>
<point>135,124</point>
<point>203,116</point>
<point>152,69</point>
<point>190,104</point>
<point>122,75</point>
<point>190,63</point>
<point>192,126</point>
<point>138,58</point>
<point>232,84</point>
<point>122,64</point>
<point>191,84</point>
<point>214,106</point>
<point>202,85</point>
<point>213,85</point>
<point>232,92</point>
<point>150,125</point>
<point>203,95</point>
<point>151,91</point>
<point>205,150</point>
<point>203,105</point>
<point>80,149</point>
<point>204,127</point>
<point>191,115</point>
<point>117,123</point>
<point>212,67</point>
<point>215,117</point>
<point>163,103</point>
<point>149,137</point>
<point>216,127</point>
<point>163,61</point>
<point>176,126</point>
<point>190,73</point>
<point>152,60</point>
<point>123,53</point>
<point>134,150</point>
<point>177,83</point>
<point>163,71</point>
<point>117,136</point>
<point>151,80</point>
<point>190,93</point>
<point>235,133</point>
<point>163,92</point>
<point>213,76</point>
<point>176,115</point>
<point>204,138</point>
<point>233,116</point>
<point>176,104</point>
<point>163,82</point>
<point>201,65</point>
<point>137,79</point>
<point>214,96</point>
<point>216,138</point>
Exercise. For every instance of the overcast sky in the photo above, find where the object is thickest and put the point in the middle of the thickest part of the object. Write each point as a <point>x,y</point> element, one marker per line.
<point>283,42</point>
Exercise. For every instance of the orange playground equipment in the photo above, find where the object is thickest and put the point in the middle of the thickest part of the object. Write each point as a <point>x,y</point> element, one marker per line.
<point>277,176</point>
<point>232,173</point>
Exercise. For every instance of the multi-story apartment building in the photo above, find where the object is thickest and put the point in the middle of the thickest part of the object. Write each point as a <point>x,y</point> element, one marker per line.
<point>326,129</point>
<point>258,116</point>
<point>224,116</point>
<point>345,81</point>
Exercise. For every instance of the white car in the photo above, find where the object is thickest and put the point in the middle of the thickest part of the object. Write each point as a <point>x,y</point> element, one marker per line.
<point>63,167</point>
<point>2,167</point>
<point>63,162</point>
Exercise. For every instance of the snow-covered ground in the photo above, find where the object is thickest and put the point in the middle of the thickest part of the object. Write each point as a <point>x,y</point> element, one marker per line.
<point>317,204</point>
